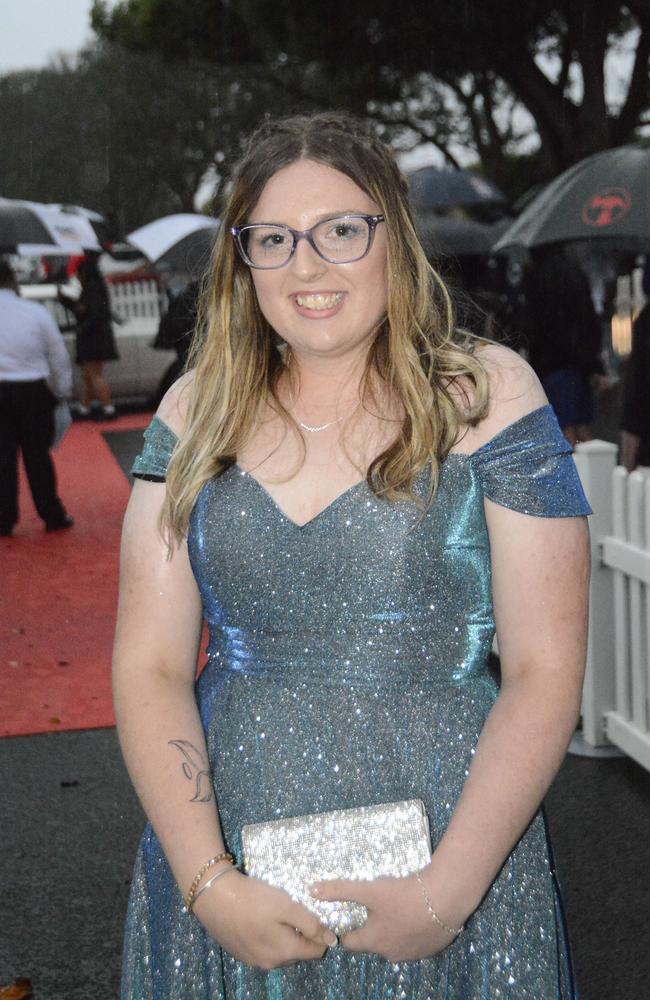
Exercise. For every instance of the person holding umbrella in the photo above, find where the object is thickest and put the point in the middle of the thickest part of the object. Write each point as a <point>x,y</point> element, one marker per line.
<point>175,332</point>
<point>603,197</point>
<point>563,338</point>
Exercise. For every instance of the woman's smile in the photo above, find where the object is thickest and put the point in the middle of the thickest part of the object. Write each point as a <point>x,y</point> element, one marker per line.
<point>318,305</point>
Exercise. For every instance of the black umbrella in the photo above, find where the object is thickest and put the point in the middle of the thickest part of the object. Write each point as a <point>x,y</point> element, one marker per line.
<point>181,243</point>
<point>31,227</point>
<point>606,195</point>
<point>191,254</point>
<point>435,188</point>
<point>442,235</point>
<point>19,225</point>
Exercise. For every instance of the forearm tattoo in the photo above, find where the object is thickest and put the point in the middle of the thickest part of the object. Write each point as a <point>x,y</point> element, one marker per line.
<point>194,769</point>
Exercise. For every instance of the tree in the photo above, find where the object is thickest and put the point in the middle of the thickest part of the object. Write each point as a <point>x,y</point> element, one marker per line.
<point>207,30</point>
<point>118,131</point>
<point>463,69</point>
<point>531,49</point>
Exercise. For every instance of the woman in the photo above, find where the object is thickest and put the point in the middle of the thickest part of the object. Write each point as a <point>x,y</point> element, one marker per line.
<point>352,499</point>
<point>95,340</point>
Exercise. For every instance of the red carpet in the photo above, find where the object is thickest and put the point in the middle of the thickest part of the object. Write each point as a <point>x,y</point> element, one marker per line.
<point>58,594</point>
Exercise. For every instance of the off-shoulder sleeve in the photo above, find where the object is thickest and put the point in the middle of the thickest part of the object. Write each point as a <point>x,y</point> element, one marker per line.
<point>529,467</point>
<point>159,443</point>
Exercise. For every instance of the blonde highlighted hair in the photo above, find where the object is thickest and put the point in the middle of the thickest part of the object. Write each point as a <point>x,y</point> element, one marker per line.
<point>417,353</point>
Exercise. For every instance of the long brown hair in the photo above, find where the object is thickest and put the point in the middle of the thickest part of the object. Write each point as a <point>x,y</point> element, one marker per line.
<point>416,352</point>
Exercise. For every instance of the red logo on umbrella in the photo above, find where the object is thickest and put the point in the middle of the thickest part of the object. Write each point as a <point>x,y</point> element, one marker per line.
<point>607,206</point>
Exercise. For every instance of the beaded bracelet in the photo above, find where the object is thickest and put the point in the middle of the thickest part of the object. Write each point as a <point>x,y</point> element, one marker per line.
<point>455,931</point>
<point>224,871</point>
<point>224,856</point>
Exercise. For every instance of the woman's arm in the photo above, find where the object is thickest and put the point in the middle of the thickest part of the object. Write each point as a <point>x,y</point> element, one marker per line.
<point>540,581</point>
<point>74,305</point>
<point>154,665</point>
<point>540,578</point>
<point>162,739</point>
<point>540,588</point>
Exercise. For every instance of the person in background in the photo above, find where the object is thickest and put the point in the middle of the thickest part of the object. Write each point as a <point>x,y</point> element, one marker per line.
<point>564,339</point>
<point>95,340</point>
<point>635,422</point>
<point>31,351</point>
<point>175,332</point>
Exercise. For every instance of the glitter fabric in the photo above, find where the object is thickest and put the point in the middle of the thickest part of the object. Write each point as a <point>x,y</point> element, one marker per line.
<point>151,463</point>
<point>348,667</point>
<point>380,841</point>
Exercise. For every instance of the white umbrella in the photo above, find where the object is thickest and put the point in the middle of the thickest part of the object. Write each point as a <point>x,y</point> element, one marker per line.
<point>98,222</point>
<point>73,232</point>
<point>158,238</point>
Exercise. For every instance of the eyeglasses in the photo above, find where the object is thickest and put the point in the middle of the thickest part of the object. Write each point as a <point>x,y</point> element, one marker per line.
<point>341,240</point>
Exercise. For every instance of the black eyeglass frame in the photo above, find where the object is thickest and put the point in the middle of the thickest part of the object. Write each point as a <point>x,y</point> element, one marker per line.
<point>304,234</point>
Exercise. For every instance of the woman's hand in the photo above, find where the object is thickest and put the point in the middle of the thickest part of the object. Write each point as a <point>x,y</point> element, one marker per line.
<point>260,924</point>
<point>399,926</point>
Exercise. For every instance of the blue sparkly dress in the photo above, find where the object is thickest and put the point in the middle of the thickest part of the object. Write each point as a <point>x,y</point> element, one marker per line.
<point>348,665</point>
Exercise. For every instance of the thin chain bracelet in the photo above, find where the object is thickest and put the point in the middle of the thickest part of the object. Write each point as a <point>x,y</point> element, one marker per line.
<point>455,931</point>
<point>191,892</point>
<point>224,871</point>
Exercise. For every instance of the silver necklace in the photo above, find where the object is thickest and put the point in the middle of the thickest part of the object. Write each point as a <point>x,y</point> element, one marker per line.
<point>323,427</point>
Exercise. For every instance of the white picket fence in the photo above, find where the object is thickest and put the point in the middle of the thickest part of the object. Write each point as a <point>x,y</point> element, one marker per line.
<point>616,697</point>
<point>142,302</point>
<point>137,300</point>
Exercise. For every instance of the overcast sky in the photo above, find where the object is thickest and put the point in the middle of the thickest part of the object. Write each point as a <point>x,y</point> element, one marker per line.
<point>32,31</point>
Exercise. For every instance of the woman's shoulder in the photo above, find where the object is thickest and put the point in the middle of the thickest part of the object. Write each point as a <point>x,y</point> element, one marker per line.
<point>162,434</point>
<point>173,408</point>
<point>514,392</point>
<point>518,451</point>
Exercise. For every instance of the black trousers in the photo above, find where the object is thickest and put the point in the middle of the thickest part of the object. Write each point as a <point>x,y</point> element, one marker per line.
<point>27,424</point>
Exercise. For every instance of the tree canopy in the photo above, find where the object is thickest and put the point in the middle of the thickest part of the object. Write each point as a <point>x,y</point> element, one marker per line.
<point>116,131</point>
<point>132,125</point>
<point>448,71</point>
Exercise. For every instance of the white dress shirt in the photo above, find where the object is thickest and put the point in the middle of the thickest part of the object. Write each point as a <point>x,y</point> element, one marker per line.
<point>31,345</point>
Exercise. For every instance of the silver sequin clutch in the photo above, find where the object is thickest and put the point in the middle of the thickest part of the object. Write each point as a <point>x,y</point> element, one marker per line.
<point>383,841</point>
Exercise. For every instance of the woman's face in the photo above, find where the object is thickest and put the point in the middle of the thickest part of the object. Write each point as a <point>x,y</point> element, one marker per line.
<point>318,308</point>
